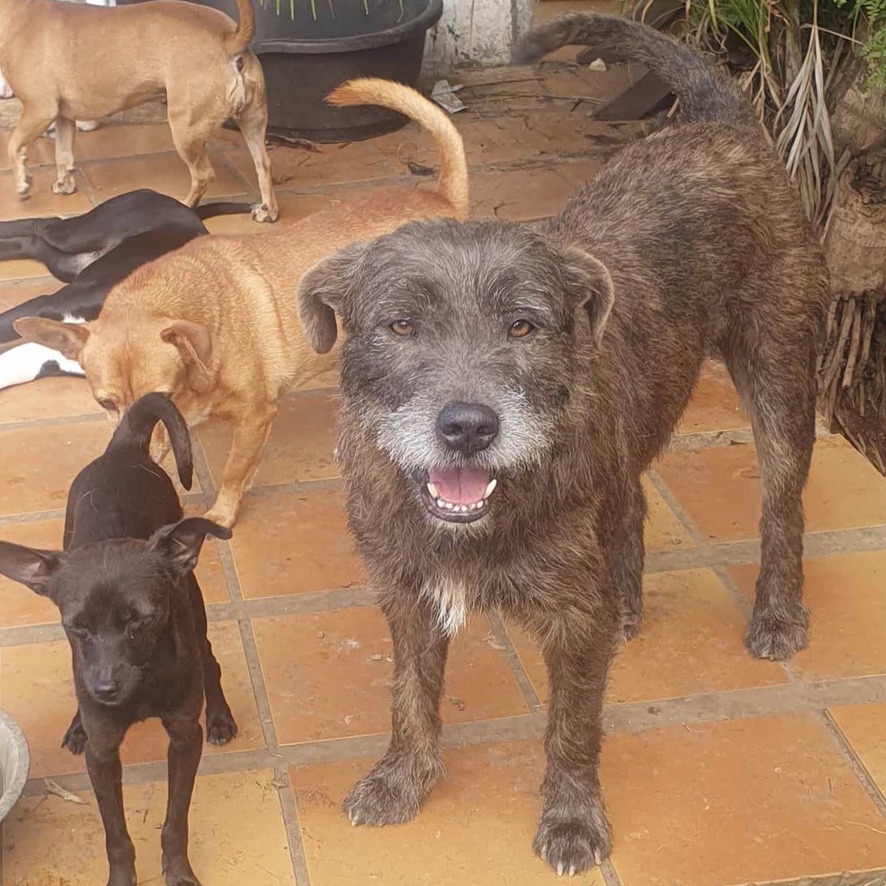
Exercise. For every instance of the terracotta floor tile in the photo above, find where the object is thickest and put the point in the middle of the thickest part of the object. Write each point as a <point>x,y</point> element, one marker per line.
<point>42,201</point>
<point>293,208</point>
<point>475,828</point>
<point>43,671</point>
<point>411,143</point>
<point>715,404</point>
<point>128,140</point>
<point>592,87</point>
<point>777,788</point>
<point>47,398</point>
<point>864,727</point>
<point>21,269</point>
<point>12,294</point>
<point>691,642</point>
<point>844,593</point>
<point>329,675</point>
<point>580,172</point>
<point>295,543</point>
<point>39,481</point>
<point>720,489</point>
<point>663,531</point>
<point>237,835</point>
<point>295,169</point>
<point>162,172</point>
<point>299,448</point>
<point>521,195</point>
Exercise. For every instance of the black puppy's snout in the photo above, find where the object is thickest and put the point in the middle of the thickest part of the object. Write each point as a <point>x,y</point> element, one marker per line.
<point>105,689</point>
<point>467,427</point>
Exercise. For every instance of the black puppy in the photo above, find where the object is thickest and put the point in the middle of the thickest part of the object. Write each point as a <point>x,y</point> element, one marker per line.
<point>102,248</point>
<point>134,616</point>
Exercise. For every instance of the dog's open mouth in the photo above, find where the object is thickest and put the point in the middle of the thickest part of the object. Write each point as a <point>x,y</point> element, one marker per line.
<point>458,495</point>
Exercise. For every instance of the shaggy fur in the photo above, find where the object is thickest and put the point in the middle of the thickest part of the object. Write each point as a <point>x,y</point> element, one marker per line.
<point>584,337</point>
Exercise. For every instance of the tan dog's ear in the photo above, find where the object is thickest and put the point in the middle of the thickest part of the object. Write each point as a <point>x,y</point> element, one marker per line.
<point>322,292</point>
<point>589,284</point>
<point>193,340</point>
<point>67,338</point>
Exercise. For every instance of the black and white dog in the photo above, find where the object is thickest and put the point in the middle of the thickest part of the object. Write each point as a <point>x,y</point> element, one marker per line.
<point>91,253</point>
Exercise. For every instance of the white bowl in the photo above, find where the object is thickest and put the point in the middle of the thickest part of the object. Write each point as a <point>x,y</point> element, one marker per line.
<point>14,763</point>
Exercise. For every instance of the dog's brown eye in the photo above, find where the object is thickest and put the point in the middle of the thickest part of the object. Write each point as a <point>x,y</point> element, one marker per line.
<point>108,405</point>
<point>520,329</point>
<point>402,327</point>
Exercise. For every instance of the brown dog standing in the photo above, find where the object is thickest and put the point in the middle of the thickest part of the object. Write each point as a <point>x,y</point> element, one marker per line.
<point>505,386</point>
<point>214,324</point>
<point>67,61</point>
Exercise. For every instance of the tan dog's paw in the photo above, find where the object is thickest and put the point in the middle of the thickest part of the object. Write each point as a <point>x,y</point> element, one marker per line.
<point>222,517</point>
<point>65,185</point>
<point>23,189</point>
<point>261,212</point>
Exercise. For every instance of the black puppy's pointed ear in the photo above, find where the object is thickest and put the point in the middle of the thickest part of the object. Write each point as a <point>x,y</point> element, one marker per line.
<point>29,566</point>
<point>590,286</point>
<point>181,542</point>
<point>321,293</point>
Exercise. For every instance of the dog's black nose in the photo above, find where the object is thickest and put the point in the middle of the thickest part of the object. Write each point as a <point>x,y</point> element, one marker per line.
<point>106,690</point>
<point>467,427</point>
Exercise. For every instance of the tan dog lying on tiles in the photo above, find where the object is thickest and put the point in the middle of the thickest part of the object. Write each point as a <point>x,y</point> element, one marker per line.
<point>67,61</point>
<point>215,324</point>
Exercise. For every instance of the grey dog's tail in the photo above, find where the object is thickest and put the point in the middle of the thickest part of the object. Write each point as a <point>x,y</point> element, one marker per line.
<point>137,426</point>
<point>705,95</point>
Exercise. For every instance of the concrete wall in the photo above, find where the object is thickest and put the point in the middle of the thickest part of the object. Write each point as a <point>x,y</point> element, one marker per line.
<point>475,31</point>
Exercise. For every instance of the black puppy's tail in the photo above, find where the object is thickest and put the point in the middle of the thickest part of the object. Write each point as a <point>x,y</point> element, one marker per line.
<point>137,426</point>
<point>705,95</point>
<point>211,210</point>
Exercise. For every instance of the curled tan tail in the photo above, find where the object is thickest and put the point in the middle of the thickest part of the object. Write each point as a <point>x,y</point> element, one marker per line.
<point>453,182</point>
<point>242,37</point>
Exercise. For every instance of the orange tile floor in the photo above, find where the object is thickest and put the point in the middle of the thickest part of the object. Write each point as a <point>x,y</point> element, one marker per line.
<point>718,769</point>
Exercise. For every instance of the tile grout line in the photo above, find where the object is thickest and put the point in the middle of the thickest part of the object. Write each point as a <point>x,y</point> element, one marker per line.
<point>610,874</point>
<point>855,763</point>
<point>285,794</point>
<point>500,634</point>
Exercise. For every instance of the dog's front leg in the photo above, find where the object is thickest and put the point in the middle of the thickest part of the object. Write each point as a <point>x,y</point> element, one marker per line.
<point>185,749</point>
<point>573,833</point>
<point>250,435</point>
<point>395,788</point>
<point>106,775</point>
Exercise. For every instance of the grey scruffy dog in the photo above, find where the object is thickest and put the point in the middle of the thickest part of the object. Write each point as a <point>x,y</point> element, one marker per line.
<point>505,386</point>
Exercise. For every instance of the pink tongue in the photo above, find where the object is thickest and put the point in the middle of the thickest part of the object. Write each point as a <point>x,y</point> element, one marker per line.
<point>460,486</point>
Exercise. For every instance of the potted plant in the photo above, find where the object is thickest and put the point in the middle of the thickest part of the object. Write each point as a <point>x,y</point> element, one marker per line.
<point>308,47</point>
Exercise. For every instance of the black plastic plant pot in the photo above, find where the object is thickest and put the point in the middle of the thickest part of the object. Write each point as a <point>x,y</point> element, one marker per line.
<point>308,48</point>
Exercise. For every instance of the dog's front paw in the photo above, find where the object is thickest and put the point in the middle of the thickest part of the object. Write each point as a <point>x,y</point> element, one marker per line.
<point>75,738</point>
<point>178,872</point>
<point>23,189</point>
<point>392,793</point>
<point>65,185</point>
<point>573,846</point>
<point>221,727</point>
<point>778,635</point>
<point>261,212</point>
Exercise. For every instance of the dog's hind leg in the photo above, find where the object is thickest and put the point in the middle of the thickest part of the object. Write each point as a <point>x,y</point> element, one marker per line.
<point>395,788</point>
<point>626,562</point>
<point>183,758</point>
<point>65,132</point>
<point>31,125</point>
<point>253,123</point>
<point>779,389</point>
<point>573,833</point>
<point>190,142</point>
<point>106,775</point>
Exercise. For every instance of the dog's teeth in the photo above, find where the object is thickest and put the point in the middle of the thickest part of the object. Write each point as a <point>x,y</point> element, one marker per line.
<point>490,488</point>
<point>433,490</point>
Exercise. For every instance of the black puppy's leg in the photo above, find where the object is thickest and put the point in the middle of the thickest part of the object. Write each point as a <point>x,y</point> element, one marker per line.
<point>574,833</point>
<point>220,724</point>
<point>395,788</point>
<point>106,775</point>
<point>185,750</point>
<point>75,737</point>
<point>780,392</point>
<point>627,560</point>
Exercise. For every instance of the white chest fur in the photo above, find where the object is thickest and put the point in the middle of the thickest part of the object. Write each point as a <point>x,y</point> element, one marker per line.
<point>450,596</point>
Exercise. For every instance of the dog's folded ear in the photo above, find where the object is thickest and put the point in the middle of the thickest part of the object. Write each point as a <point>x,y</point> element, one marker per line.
<point>67,338</point>
<point>194,342</point>
<point>321,293</point>
<point>180,543</point>
<point>589,286</point>
<point>29,566</point>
